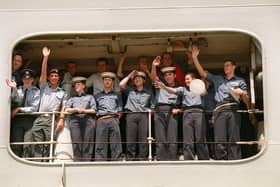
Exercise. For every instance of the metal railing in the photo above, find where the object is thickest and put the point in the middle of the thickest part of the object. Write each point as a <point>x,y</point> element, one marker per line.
<point>150,139</point>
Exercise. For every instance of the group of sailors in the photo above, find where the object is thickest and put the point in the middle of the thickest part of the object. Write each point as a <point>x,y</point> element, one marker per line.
<point>94,118</point>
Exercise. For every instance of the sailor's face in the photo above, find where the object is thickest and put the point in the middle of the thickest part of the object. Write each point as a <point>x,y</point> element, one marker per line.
<point>138,81</point>
<point>79,87</point>
<point>108,82</point>
<point>229,68</point>
<point>27,82</point>
<point>188,80</point>
<point>53,78</point>
<point>169,77</point>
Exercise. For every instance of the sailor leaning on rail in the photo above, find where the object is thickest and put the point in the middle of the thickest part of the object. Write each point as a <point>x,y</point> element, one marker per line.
<point>194,124</point>
<point>229,89</point>
<point>53,99</point>
<point>109,108</point>
<point>165,118</point>
<point>139,101</point>
<point>25,99</point>
<point>82,124</point>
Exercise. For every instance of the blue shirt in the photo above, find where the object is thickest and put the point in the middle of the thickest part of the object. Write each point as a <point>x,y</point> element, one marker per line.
<point>222,86</point>
<point>51,99</point>
<point>108,103</point>
<point>32,99</point>
<point>163,97</point>
<point>138,101</point>
<point>84,101</point>
<point>189,98</point>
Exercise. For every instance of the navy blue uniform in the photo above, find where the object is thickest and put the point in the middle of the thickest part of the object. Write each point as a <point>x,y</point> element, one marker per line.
<point>226,120</point>
<point>22,124</point>
<point>194,126</point>
<point>166,125</point>
<point>107,130</point>
<point>51,100</point>
<point>82,127</point>
<point>138,102</point>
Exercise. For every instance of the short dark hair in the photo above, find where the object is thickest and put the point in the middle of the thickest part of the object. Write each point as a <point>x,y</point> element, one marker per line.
<point>102,59</point>
<point>166,53</point>
<point>17,54</point>
<point>193,75</point>
<point>231,61</point>
<point>71,62</point>
<point>140,57</point>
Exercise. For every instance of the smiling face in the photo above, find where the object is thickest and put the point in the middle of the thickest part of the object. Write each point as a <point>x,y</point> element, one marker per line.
<point>169,77</point>
<point>188,79</point>
<point>53,79</point>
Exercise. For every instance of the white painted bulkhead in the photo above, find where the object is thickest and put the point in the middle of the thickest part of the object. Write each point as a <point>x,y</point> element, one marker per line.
<point>20,20</point>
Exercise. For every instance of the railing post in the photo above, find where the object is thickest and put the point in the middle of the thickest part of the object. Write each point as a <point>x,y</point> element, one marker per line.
<point>150,138</point>
<point>52,137</point>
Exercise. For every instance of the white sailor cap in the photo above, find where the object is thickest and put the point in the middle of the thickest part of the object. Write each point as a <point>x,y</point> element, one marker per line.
<point>168,69</point>
<point>140,74</point>
<point>79,79</point>
<point>108,75</point>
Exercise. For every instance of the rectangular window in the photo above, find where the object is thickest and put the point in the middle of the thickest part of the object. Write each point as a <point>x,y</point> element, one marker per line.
<point>221,137</point>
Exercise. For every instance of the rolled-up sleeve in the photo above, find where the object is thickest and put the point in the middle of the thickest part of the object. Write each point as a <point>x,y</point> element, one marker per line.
<point>33,105</point>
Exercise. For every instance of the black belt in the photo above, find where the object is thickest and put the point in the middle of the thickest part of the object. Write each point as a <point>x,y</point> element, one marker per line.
<point>193,107</point>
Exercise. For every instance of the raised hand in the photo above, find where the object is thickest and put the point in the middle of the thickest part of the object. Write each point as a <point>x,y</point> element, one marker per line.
<point>46,51</point>
<point>122,57</point>
<point>156,61</point>
<point>132,73</point>
<point>11,83</point>
<point>195,51</point>
<point>189,56</point>
<point>159,84</point>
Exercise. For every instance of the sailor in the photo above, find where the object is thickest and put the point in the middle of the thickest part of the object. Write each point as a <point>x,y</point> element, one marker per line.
<point>166,105</point>
<point>229,90</point>
<point>26,99</point>
<point>53,99</point>
<point>82,125</point>
<point>194,124</point>
<point>138,103</point>
<point>109,107</point>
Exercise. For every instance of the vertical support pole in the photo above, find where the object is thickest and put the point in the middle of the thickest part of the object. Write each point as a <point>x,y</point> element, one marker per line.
<point>52,137</point>
<point>150,138</point>
<point>253,68</point>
